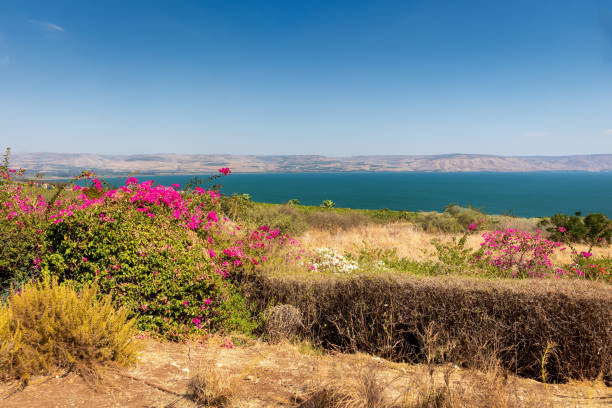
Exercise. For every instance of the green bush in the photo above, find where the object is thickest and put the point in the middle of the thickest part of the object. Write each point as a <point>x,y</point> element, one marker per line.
<point>286,218</point>
<point>464,216</point>
<point>154,267</point>
<point>20,250</point>
<point>593,228</point>
<point>328,204</point>
<point>336,220</point>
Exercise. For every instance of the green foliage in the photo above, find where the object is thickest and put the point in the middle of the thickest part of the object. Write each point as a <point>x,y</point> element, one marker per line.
<point>329,219</point>
<point>293,201</point>
<point>593,228</point>
<point>286,218</point>
<point>464,216</point>
<point>373,258</point>
<point>328,204</point>
<point>453,257</point>
<point>153,267</point>
<point>438,222</point>
<point>21,247</point>
<point>235,206</point>
<point>20,240</point>
<point>47,325</point>
<point>298,218</point>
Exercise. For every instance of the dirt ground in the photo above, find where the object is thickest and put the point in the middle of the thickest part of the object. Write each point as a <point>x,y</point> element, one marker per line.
<point>284,375</point>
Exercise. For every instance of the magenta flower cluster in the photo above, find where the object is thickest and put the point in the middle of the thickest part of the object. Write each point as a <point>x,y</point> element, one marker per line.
<point>519,253</point>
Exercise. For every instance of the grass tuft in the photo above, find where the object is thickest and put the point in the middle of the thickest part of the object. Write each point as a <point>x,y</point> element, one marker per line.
<point>208,388</point>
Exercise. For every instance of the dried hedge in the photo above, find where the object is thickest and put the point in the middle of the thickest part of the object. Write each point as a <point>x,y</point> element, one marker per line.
<point>470,322</point>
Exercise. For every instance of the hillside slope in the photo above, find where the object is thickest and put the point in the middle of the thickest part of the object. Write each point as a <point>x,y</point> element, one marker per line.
<point>68,164</point>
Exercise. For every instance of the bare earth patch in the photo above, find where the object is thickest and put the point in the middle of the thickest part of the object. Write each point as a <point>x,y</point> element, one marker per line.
<point>284,375</point>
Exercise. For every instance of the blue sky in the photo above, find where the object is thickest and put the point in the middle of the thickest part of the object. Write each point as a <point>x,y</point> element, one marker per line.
<point>310,77</point>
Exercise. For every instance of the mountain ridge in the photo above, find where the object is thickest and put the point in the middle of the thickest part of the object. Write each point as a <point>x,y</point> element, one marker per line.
<point>70,164</point>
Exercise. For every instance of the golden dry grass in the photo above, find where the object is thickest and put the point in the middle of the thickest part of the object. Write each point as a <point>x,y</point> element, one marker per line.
<point>209,388</point>
<point>48,326</point>
<point>409,241</point>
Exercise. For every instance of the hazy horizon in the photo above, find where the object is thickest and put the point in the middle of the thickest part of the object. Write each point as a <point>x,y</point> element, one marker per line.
<point>13,151</point>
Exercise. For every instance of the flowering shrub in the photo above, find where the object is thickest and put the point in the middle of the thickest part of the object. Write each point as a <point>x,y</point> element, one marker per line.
<point>330,260</point>
<point>583,264</point>
<point>517,253</point>
<point>170,258</point>
<point>20,234</point>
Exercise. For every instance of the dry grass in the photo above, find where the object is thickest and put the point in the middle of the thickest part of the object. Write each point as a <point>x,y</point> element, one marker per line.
<point>363,389</point>
<point>209,388</point>
<point>49,326</point>
<point>409,241</point>
<point>371,385</point>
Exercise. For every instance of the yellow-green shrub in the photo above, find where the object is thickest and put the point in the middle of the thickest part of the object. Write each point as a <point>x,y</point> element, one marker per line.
<point>47,325</point>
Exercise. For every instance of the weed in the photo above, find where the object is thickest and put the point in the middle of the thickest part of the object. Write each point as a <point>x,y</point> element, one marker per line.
<point>47,325</point>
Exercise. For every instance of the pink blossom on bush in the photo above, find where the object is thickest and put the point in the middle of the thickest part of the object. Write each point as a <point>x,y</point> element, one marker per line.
<point>519,253</point>
<point>212,216</point>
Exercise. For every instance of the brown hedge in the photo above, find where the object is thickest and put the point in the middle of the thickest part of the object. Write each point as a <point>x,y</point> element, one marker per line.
<point>464,321</point>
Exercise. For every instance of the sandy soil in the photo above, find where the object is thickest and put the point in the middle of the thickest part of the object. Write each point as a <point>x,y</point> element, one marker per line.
<point>283,375</point>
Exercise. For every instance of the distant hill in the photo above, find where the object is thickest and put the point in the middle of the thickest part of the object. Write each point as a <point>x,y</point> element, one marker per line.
<point>65,164</point>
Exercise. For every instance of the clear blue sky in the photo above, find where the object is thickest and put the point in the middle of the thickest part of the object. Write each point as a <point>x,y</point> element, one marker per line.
<point>306,77</point>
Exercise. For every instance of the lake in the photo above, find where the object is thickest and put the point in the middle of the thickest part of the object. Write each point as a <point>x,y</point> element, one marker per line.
<point>525,194</point>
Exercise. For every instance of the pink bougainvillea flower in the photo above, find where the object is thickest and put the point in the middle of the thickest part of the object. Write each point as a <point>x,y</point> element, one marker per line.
<point>213,216</point>
<point>473,227</point>
<point>561,229</point>
<point>97,184</point>
<point>586,254</point>
<point>225,171</point>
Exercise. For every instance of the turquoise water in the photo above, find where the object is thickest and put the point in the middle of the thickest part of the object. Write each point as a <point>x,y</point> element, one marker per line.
<point>526,194</point>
